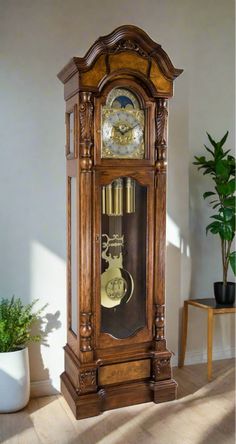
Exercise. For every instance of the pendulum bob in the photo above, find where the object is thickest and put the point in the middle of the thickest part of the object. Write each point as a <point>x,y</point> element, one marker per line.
<point>116,287</point>
<point>130,195</point>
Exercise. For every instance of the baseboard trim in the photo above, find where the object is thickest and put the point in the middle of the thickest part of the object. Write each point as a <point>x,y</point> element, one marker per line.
<point>42,388</point>
<point>198,357</point>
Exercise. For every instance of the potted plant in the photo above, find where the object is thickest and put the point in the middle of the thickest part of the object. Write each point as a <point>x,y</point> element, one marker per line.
<point>16,320</point>
<point>220,166</point>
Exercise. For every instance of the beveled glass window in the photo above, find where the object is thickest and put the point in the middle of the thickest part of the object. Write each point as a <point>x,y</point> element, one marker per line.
<point>70,134</point>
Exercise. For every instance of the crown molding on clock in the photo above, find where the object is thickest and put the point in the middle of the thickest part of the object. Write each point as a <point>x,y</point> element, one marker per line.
<point>124,38</point>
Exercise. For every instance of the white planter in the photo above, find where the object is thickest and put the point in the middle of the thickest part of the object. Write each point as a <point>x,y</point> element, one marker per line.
<point>14,380</point>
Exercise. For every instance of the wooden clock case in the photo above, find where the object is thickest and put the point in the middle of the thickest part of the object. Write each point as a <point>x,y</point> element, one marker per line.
<point>103,372</point>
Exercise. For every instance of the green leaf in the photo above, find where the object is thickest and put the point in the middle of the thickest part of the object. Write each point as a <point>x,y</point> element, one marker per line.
<point>225,232</point>
<point>213,201</point>
<point>232,186</point>
<point>215,206</point>
<point>223,140</point>
<point>207,171</point>
<point>16,320</point>
<point>210,151</point>
<point>214,227</point>
<point>200,160</point>
<point>222,169</point>
<point>232,261</point>
<point>226,152</point>
<point>226,188</point>
<point>213,142</point>
<point>208,193</point>
<point>230,202</point>
<point>222,188</point>
<point>217,217</point>
<point>228,214</point>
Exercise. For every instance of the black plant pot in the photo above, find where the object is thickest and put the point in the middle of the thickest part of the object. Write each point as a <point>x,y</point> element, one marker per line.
<point>224,293</point>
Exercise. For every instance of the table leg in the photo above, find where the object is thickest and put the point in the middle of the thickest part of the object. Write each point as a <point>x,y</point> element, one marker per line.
<point>209,342</point>
<point>184,334</point>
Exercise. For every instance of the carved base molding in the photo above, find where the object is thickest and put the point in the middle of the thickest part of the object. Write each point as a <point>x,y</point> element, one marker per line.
<point>164,390</point>
<point>110,397</point>
<point>89,388</point>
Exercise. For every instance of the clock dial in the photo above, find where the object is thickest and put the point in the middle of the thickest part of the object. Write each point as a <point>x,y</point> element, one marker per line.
<point>122,126</point>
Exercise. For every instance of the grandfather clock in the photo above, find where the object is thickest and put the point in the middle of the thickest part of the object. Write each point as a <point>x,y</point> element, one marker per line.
<point>116,142</point>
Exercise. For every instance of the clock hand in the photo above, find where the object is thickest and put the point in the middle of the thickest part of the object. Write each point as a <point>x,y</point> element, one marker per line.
<point>129,129</point>
<point>117,128</point>
<point>137,124</point>
<point>121,131</point>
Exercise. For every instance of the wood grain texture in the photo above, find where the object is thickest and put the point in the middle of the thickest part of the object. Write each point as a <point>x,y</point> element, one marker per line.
<point>111,374</point>
<point>102,371</point>
<point>210,326</point>
<point>129,60</point>
<point>128,39</point>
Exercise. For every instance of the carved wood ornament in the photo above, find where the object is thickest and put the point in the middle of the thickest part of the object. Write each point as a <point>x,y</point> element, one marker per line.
<point>86,130</point>
<point>159,322</point>
<point>87,381</point>
<point>161,132</point>
<point>124,45</point>
<point>85,332</point>
<point>105,369</point>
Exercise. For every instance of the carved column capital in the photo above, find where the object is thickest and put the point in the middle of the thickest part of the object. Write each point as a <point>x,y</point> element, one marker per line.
<point>161,134</point>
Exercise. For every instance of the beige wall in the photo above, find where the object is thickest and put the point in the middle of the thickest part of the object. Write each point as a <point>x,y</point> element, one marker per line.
<point>37,38</point>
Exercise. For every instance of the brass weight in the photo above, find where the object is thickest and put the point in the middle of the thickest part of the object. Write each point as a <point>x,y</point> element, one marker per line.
<point>112,197</point>
<point>109,206</point>
<point>118,197</point>
<point>130,195</point>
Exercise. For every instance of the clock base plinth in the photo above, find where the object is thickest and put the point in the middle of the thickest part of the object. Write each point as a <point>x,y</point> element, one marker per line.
<point>112,397</point>
<point>82,406</point>
<point>164,391</point>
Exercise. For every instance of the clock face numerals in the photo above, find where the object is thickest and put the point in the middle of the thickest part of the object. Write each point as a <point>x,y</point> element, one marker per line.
<point>122,134</point>
<point>122,126</point>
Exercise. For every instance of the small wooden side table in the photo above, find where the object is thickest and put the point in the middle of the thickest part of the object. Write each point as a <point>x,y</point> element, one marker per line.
<point>212,309</point>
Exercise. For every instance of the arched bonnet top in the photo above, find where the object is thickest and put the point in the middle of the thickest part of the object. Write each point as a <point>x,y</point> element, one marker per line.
<point>126,52</point>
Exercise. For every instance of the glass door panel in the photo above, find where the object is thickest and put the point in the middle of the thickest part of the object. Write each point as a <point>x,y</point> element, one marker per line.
<point>73,257</point>
<point>123,257</point>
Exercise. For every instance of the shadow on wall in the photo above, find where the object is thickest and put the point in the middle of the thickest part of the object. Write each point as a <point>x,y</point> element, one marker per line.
<point>47,283</point>
<point>45,326</point>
